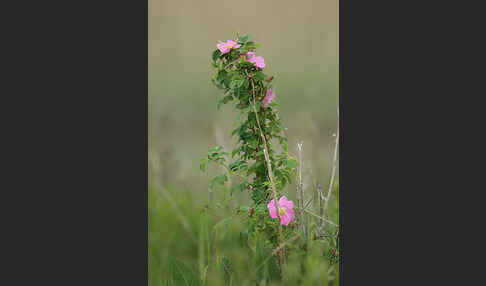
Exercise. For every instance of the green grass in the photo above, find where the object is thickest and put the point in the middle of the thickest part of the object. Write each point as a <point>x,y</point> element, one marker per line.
<point>220,253</point>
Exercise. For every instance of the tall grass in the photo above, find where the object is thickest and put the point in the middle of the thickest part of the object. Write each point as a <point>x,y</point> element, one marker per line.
<point>222,254</point>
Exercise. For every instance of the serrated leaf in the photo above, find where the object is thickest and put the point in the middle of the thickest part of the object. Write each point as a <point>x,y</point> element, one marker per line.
<point>216,54</point>
<point>243,38</point>
<point>221,179</point>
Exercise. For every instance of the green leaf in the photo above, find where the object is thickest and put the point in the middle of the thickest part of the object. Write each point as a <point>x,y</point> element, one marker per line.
<point>291,164</point>
<point>239,115</point>
<point>227,98</point>
<point>243,239</point>
<point>221,179</point>
<point>216,54</point>
<point>202,166</point>
<point>259,76</point>
<point>250,45</point>
<point>227,269</point>
<point>241,187</point>
<point>234,166</point>
<point>243,38</point>
<point>221,228</point>
<point>243,83</point>
<point>182,274</point>
<point>227,79</point>
<point>244,209</point>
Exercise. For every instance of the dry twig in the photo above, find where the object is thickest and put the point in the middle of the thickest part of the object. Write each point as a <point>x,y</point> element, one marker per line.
<point>333,168</point>
<point>300,190</point>
<point>319,217</point>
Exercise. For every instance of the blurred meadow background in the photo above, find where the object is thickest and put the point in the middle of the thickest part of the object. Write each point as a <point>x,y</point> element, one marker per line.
<point>191,239</point>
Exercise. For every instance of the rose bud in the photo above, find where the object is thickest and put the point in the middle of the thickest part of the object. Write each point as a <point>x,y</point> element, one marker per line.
<point>270,79</point>
<point>252,211</point>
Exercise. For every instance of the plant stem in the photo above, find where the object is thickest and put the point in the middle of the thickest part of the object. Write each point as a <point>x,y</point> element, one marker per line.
<point>333,168</point>
<point>326,220</point>
<point>300,189</point>
<point>321,208</point>
<point>269,167</point>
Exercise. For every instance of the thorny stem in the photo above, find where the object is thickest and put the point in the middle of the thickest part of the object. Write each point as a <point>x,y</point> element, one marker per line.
<point>269,166</point>
<point>333,168</point>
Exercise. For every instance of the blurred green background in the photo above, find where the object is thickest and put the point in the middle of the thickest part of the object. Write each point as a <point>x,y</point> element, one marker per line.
<point>299,41</point>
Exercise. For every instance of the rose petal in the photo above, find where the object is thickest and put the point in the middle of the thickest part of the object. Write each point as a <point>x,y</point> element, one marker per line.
<point>272,210</point>
<point>285,219</point>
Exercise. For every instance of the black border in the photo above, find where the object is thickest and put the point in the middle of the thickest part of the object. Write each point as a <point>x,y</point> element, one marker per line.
<point>77,147</point>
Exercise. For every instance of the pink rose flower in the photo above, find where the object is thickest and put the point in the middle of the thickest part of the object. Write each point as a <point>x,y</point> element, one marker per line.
<point>258,61</point>
<point>226,47</point>
<point>250,55</point>
<point>268,98</point>
<point>285,209</point>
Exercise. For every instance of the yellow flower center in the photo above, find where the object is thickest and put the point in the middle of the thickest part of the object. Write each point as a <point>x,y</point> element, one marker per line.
<point>229,45</point>
<point>281,211</point>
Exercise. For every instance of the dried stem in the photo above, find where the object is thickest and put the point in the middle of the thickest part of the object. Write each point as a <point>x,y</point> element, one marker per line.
<point>321,207</point>
<point>300,190</point>
<point>308,202</point>
<point>333,168</point>
<point>326,220</point>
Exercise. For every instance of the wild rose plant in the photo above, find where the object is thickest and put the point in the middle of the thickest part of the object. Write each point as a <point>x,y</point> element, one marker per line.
<point>285,210</point>
<point>240,74</point>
